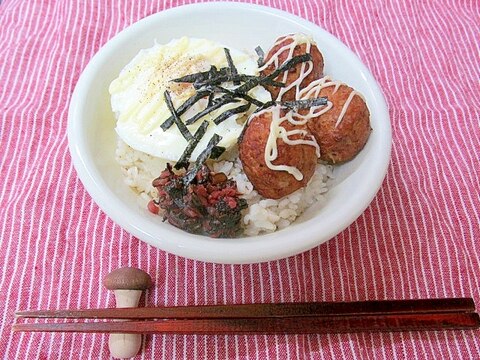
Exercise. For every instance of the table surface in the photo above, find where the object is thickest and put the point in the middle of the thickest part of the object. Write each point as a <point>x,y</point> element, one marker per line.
<point>417,239</point>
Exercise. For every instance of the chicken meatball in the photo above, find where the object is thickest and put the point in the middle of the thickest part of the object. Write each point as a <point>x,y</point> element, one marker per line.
<point>343,130</point>
<point>277,183</point>
<point>298,76</point>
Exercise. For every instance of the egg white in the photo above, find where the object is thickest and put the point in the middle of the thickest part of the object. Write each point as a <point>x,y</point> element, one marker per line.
<point>137,96</point>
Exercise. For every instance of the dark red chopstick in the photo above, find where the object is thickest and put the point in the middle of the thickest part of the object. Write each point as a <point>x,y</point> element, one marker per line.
<point>291,318</point>
<point>285,325</point>
<point>265,310</point>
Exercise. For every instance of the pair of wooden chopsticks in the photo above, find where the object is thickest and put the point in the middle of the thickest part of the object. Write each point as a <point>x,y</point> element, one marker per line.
<point>287,318</point>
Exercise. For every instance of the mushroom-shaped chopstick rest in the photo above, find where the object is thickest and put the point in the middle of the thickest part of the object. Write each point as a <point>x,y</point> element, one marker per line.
<point>127,284</point>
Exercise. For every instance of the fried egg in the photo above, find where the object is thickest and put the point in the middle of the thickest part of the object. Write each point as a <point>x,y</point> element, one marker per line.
<point>137,96</point>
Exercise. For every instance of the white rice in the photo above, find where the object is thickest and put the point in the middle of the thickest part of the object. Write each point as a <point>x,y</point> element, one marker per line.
<point>262,216</point>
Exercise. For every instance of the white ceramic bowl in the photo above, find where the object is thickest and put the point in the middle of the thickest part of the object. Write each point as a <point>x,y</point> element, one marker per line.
<point>92,141</point>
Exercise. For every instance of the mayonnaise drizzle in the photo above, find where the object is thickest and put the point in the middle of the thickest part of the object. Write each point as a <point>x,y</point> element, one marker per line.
<point>279,132</point>
<point>306,67</point>
<point>345,107</point>
<point>311,91</point>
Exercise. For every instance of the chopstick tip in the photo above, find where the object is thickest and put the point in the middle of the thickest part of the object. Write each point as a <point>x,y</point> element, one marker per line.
<point>19,314</point>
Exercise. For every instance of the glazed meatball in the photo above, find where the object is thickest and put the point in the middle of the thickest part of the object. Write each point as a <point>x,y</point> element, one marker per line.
<point>275,184</point>
<point>296,72</point>
<point>341,142</point>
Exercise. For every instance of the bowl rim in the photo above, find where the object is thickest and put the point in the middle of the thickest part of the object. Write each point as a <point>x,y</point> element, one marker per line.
<point>271,246</point>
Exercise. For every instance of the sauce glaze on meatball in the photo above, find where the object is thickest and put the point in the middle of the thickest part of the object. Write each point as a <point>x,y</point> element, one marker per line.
<point>343,128</point>
<point>278,170</point>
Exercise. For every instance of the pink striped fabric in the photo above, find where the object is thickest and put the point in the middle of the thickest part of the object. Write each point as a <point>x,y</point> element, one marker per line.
<point>419,237</point>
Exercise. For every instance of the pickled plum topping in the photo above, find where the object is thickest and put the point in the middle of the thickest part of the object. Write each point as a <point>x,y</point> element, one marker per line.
<point>208,205</point>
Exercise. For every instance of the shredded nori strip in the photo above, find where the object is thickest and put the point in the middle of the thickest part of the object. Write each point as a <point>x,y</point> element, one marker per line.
<point>216,81</point>
<point>266,105</point>
<point>212,81</point>
<point>261,56</point>
<point>266,81</point>
<point>216,105</point>
<point>181,126</point>
<point>211,97</point>
<point>213,71</point>
<point>217,151</point>
<point>248,85</point>
<point>226,114</point>
<point>249,82</point>
<point>304,104</point>
<point>192,144</point>
<point>295,105</point>
<point>201,76</point>
<point>207,83</point>
<point>184,107</point>
<point>231,66</point>
<point>225,78</point>
<point>287,65</point>
<point>203,79</point>
<point>234,93</point>
<point>204,155</point>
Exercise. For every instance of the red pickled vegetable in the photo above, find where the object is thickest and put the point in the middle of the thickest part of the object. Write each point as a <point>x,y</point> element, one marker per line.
<point>208,205</point>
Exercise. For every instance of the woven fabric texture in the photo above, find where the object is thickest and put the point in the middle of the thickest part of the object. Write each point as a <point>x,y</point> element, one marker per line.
<point>419,237</point>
